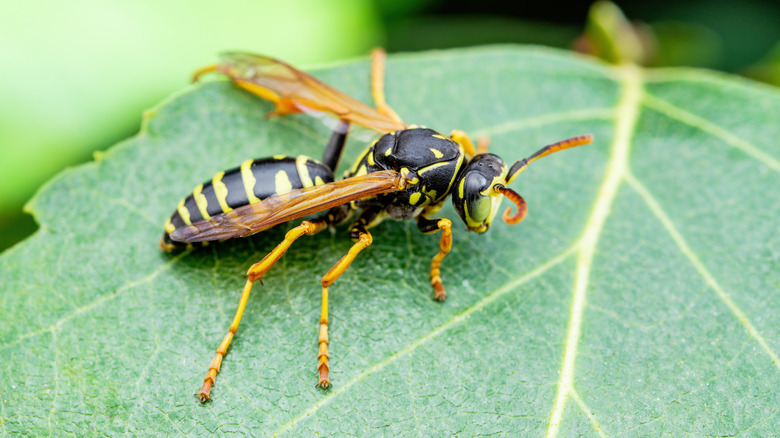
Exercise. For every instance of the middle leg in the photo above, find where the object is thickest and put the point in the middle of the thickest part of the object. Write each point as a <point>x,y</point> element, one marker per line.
<point>359,233</point>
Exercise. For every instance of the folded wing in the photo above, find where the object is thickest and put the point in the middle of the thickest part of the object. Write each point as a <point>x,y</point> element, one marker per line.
<point>294,91</point>
<point>253,218</point>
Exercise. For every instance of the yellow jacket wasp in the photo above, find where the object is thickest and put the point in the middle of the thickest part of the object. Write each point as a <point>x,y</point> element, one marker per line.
<point>407,173</point>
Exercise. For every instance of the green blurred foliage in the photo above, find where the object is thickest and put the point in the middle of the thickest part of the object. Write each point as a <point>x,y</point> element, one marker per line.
<point>427,32</point>
<point>609,36</point>
<point>767,69</point>
<point>77,75</point>
<point>717,34</point>
<point>745,30</point>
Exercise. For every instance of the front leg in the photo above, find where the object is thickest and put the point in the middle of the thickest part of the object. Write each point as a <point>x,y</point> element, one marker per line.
<point>427,226</point>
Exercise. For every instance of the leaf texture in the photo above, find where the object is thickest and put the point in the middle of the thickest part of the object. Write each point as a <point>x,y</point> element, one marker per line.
<point>638,298</point>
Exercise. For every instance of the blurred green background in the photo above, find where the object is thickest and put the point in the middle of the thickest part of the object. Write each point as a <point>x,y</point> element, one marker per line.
<point>77,75</point>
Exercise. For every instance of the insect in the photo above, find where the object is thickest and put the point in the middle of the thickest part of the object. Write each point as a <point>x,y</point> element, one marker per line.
<point>407,173</point>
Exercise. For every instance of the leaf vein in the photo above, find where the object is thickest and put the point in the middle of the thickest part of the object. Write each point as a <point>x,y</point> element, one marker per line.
<point>127,205</point>
<point>547,119</point>
<point>587,411</point>
<point>252,403</point>
<point>625,126</point>
<point>102,299</point>
<point>674,112</point>
<point>661,215</point>
<point>508,287</point>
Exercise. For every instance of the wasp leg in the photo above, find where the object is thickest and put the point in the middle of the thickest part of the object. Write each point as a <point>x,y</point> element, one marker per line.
<point>483,143</point>
<point>427,226</point>
<point>208,382</point>
<point>311,227</point>
<point>254,274</point>
<point>208,69</point>
<point>364,239</point>
<point>378,84</point>
<point>464,141</point>
<point>335,147</point>
<point>284,105</point>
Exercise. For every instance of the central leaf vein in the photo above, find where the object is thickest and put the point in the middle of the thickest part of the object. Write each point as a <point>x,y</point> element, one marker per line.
<point>627,112</point>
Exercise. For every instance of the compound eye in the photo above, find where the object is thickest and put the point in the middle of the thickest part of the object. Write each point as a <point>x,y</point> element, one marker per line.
<point>474,198</point>
<point>474,183</point>
<point>479,210</point>
<point>474,208</point>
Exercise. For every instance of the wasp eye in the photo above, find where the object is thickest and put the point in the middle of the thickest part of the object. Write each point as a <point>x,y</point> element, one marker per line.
<point>473,198</point>
<point>473,206</point>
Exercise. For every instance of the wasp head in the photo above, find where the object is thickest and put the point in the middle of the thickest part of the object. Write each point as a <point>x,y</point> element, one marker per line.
<point>476,196</point>
<point>482,185</point>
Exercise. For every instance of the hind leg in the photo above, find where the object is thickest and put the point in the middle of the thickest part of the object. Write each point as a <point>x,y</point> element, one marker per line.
<point>254,274</point>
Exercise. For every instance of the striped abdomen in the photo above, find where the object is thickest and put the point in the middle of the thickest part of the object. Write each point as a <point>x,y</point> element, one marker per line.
<point>249,183</point>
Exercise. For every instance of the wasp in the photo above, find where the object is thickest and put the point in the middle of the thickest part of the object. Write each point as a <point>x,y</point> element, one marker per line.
<point>406,173</point>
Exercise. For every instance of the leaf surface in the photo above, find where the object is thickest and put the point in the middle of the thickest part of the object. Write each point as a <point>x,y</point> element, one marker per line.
<point>638,298</point>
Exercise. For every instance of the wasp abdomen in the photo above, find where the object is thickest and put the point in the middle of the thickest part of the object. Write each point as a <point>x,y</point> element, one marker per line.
<point>249,183</point>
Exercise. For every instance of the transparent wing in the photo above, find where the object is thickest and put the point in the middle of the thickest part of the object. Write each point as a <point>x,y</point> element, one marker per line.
<point>253,218</point>
<point>294,91</point>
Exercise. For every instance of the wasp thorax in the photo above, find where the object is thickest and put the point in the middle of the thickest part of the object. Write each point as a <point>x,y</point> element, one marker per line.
<point>475,198</point>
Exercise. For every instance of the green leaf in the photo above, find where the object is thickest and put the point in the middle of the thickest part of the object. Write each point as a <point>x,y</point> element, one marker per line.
<point>639,297</point>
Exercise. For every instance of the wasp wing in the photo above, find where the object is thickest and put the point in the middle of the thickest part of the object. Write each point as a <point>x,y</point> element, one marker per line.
<point>294,91</point>
<point>253,218</point>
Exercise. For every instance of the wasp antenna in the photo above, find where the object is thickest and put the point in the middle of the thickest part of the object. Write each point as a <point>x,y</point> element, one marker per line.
<point>513,196</point>
<point>569,143</point>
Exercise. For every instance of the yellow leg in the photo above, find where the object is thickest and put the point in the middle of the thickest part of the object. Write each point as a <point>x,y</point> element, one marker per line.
<point>208,382</point>
<point>464,141</point>
<point>378,84</point>
<point>364,240</point>
<point>482,145</point>
<point>208,69</point>
<point>259,269</point>
<point>254,274</point>
<point>445,245</point>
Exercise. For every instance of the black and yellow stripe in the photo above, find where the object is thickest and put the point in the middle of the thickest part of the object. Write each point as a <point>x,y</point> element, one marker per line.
<point>249,183</point>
